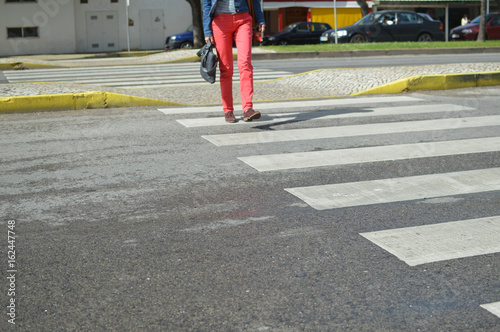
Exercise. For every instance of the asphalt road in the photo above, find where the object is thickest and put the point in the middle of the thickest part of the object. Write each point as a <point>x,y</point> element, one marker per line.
<point>303,65</point>
<point>133,219</point>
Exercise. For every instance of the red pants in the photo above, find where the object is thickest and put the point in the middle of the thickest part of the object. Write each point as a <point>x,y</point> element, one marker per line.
<point>226,27</point>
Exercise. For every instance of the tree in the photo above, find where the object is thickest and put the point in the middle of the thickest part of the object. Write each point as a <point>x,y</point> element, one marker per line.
<point>482,24</point>
<point>198,36</point>
<point>364,7</point>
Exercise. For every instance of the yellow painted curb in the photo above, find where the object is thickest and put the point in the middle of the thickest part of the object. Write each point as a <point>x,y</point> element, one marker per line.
<point>75,101</point>
<point>435,82</point>
<point>24,65</point>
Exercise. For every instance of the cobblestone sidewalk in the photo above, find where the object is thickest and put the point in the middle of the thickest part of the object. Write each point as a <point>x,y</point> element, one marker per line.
<point>320,83</point>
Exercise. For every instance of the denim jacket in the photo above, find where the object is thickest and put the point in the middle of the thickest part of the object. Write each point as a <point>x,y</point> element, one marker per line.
<point>240,6</point>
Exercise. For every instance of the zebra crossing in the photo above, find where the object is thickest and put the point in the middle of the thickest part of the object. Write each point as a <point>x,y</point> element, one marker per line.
<point>131,76</point>
<point>413,245</point>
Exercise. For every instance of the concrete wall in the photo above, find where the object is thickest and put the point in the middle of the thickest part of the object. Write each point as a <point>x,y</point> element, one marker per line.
<point>54,19</point>
<point>175,15</point>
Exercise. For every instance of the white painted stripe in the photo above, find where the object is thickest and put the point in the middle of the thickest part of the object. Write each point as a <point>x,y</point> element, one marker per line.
<point>297,104</point>
<point>440,242</point>
<point>108,76</point>
<point>338,114</point>
<point>494,308</point>
<point>351,131</point>
<point>179,84</point>
<point>118,69</point>
<point>220,121</point>
<point>342,195</point>
<point>98,77</point>
<point>370,154</point>
<point>150,80</point>
<point>98,73</point>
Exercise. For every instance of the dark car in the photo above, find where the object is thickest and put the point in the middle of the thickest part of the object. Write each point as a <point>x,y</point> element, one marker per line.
<point>470,31</point>
<point>298,33</point>
<point>181,40</point>
<point>388,26</point>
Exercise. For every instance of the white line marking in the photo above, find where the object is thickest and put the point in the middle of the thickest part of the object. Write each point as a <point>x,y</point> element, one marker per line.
<point>220,121</point>
<point>351,131</point>
<point>338,114</point>
<point>494,308</point>
<point>439,242</point>
<point>342,195</point>
<point>370,154</point>
<point>295,104</point>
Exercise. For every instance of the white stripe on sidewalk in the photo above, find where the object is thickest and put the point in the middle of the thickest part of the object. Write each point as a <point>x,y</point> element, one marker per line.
<point>351,131</point>
<point>84,77</point>
<point>370,154</point>
<point>440,242</point>
<point>342,195</point>
<point>338,114</point>
<point>296,104</point>
<point>494,308</point>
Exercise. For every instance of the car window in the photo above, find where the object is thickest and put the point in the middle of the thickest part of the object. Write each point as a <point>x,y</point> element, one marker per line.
<point>409,18</point>
<point>478,19</point>
<point>366,20</point>
<point>318,27</point>
<point>303,27</point>
<point>388,19</point>
<point>426,16</point>
<point>495,21</point>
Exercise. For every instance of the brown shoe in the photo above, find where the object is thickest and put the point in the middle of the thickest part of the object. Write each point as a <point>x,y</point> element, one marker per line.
<point>230,117</point>
<point>250,115</point>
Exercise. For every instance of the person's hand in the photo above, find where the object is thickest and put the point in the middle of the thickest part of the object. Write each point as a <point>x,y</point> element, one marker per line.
<point>211,39</point>
<point>262,28</point>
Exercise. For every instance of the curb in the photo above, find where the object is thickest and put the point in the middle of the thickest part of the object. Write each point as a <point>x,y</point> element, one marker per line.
<point>75,101</point>
<point>435,82</point>
<point>24,65</point>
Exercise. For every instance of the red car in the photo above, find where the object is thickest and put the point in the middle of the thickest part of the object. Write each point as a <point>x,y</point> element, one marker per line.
<point>470,31</point>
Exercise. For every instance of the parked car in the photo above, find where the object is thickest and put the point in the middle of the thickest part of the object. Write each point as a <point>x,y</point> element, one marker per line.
<point>298,33</point>
<point>181,40</point>
<point>387,26</point>
<point>471,30</point>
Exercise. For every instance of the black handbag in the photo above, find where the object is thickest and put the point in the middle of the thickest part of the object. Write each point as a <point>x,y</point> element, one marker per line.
<point>209,61</point>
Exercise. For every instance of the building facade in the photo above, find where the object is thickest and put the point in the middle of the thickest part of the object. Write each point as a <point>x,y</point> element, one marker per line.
<point>88,26</point>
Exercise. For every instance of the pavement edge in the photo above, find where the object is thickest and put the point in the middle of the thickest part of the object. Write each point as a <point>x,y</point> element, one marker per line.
<point>75,101</point>
<point>435,82</point>
<point>24,65</point>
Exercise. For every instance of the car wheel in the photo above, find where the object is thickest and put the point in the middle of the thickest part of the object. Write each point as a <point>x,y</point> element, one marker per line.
<point>425,37</point>
<point>187,44</point>
<point>357,39</point>
<point>284,42</point>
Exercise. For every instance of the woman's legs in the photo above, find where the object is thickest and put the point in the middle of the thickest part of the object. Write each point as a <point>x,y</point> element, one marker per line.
<point>239,27</point>
<point>243,39</point>
<point>222,27</point>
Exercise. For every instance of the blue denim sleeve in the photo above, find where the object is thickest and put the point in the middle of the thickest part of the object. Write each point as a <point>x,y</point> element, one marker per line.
<point>259,14</point>
<point>207,20</point>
